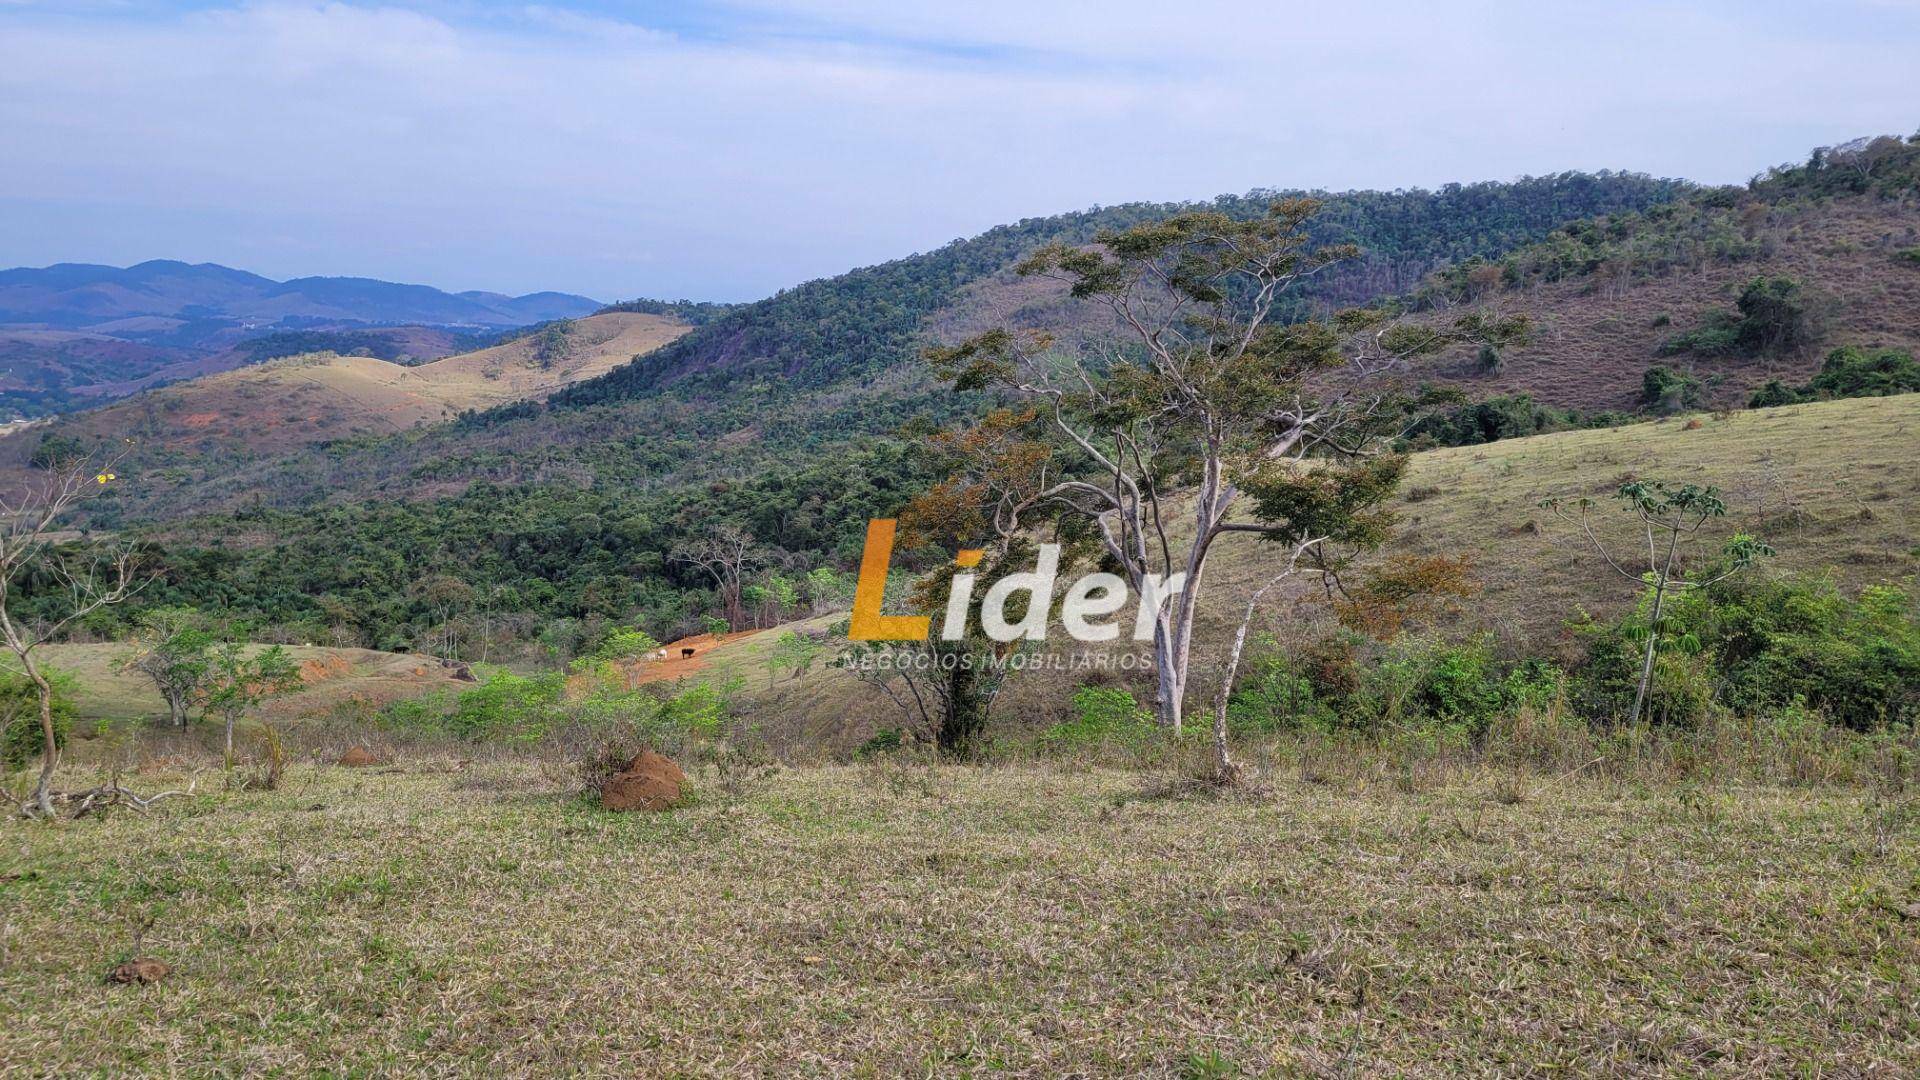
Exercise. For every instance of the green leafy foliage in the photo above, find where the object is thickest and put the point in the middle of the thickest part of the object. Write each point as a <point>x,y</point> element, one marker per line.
<point>1417,683</point>
<point>1505,416</point>
<point>1774,316</point>
<point>1668,390</point>
<point>1760,646</point>
<point>1102,715</point>
<point>1847,372</point>
<point>21,738</point>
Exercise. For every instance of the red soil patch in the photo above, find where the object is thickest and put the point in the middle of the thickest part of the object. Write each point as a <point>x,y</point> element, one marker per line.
<point>678,664</point>
<point>200,419</point>
<point>650,782</point>
<point>322,668</point>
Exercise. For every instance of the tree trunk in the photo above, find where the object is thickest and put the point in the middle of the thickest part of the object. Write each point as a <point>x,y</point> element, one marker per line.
<point>1646,664</point>
<point>230,720</point>
<point>1660,583</point>
<point>1169,669</point>
<point>1224,769</point>
<point>50,749</point>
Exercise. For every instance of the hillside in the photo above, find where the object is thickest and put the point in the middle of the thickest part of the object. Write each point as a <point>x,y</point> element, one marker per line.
<point>286,404</point>
<point>334,682</point>
<point>1611,300</point>
<point>833,363</point>
<point>1834,486</point>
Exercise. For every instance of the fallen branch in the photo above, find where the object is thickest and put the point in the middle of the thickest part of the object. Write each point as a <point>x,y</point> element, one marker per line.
<point>95,799</point>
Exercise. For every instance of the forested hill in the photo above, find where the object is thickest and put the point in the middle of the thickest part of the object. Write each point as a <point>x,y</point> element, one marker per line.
<point>833,362</point>
<point>873,318</point>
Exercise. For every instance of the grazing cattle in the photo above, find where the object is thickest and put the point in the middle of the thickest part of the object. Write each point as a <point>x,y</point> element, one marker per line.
<point>686,652</point>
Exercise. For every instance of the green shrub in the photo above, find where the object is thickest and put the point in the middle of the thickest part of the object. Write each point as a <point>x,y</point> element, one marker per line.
<point>622,643</point>
<point>520,707</point>
<point>1277,695</point>
<point>1773,394</point>
<point>1602,685</point>
<point>1772,316</point>
<point>1415,684</point>
<point>1909,256</point>
<point>1101,715</point>
<point>1799,642</point>
<point>880,745</point>
<point>1759,646</point>
<point>23,741</point>
<point>701,710</point>
<point>1668,390</point>
<point>1852,372</point>
<point>1717,335</point>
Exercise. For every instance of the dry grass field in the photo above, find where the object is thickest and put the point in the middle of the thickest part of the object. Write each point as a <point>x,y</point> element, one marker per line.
<point>333,680</point>
<point>453,918</point>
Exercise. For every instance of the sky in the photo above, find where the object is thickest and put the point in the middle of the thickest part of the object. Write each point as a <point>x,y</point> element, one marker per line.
<point>726,150</point>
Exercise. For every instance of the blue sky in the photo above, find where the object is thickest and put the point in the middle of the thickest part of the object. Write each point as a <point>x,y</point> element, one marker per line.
<point>724,151</point>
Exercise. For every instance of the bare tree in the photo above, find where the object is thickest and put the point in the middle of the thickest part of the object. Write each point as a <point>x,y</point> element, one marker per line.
<point>85,575</point>
<point>725,554</point>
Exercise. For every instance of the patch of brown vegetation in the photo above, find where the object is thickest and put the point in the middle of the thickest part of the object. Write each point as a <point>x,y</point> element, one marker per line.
<point>142,972</point>
<point>358,757</point>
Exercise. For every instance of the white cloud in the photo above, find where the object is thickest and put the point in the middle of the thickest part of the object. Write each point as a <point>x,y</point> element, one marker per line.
<point>552,147</point>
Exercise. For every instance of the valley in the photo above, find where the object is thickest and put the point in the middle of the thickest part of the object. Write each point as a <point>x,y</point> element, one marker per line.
<point>395,681</point>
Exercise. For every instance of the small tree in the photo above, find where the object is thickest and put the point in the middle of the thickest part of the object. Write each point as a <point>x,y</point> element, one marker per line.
<point>171,649</point>
<point>793,653</point>
<point>236,682</point>
<point>72,579</point>
<point>1210,382</point>
<point>1667,517</point>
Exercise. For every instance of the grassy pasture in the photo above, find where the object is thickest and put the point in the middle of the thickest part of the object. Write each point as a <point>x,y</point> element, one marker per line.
<point>888,920</point>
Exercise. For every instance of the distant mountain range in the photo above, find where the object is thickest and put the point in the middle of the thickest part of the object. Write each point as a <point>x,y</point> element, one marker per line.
<point>75,334</point>
<point>75,296</point>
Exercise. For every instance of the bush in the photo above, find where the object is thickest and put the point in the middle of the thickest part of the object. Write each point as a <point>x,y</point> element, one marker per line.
<point>1772,316</point>
<point>1717,335</point>
<point>1277,695</point>
<point>1668,390</point>
<point>1909,256</point>
<point>1758,647</point>
<point>1847,372</point>
<point>1602,685</point>
<point>517,707</point>
<point>1852,372</point>
<point>622,643</point>
<point>22,741</point>
<point>1418,684</point>
<point>1773,394</point>
<point>1799,642</point>
<point>1101,715</point>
